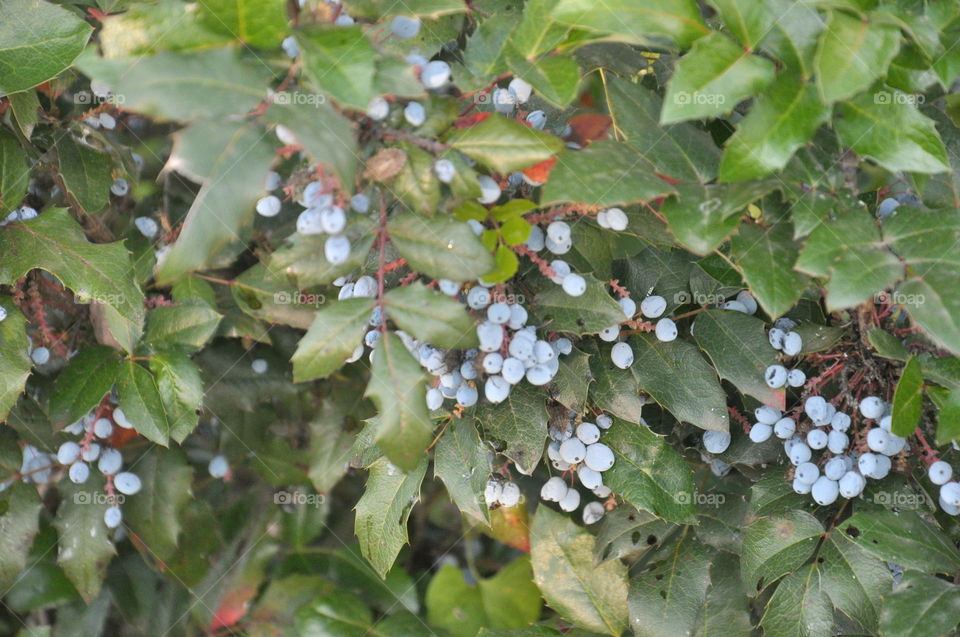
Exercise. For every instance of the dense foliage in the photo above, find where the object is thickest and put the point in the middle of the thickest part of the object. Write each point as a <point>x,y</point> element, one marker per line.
<point>447,317</point>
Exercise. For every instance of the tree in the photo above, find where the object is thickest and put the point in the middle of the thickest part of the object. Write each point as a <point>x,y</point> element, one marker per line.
<point>454,317</point>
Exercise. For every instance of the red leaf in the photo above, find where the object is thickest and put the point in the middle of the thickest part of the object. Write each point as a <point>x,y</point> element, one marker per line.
<point>541,172</point>
<point>471,120</point>
<point>589,127</point>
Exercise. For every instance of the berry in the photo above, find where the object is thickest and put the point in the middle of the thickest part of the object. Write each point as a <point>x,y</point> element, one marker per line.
<point>767,415</point>
<point>573,450</point>
<point>837,442</point>
<point>877,439</point>
<point>775,336</point>
<point>434,399</point>
<point>851,484</point>
<point>513,370</point>
<point>792,344</point>
<point>622,355</point>
<point>803,488</point>
<point>110,462</point>
<point>886,207</point>
<point>520,89</point>
<point>510,494</point>
<point>521,346</point>
<point>360,203</point>
<point>735,306</point>
<point>716,441</point>
<point>796,378</point>
<point>91,453</point>
<point>490,336</point>
<point>939,472</point>
<point>559,232</point>
<point>268,206</point>
<point>799,453</point>
<point>588,433</point>
<point>785,428</point>
<point>588,477</point>
<point>127,483</point>
<point>604,421</point>
<point>835,468</point>
<point>593,512</point>
<point>610,334</point>
<point>629,306</point>
<point>748,301</point>
<point>761,432</point>
<point>599,457</point>
<point>404,27</point>
<point>492,492</point>
<point>308,222</point>
<point>948,508</point>
<point>489,189</point>
<point>79,472</point>
<point>666,330</point>
<point>333,220</point>
<point>503,100</point>
<point>478,297</point>
<point>825,491</point>
<point>218,466</point>
<point>807,472</point>
<point>414,113</point>
<point>553,489</point>
<point>518,317</point>
<point>120,187</point>
<point>498,313</point>
<point>867,464</point>
<point>289,46</point>
<point>378,109</point>
<point>496,389</point>
<point>894,445</point>
<point>817,439</point>
<point>435,74</point>
<point>259,366</point>
<point>445,170</point>
<point>840,422</point>
<point>775,376</point>
<point>40,355</point>
<point>467,395</point>
<point>653,306</point>
<point>871,407</point>
<point>112,517</point>
<point>102,428</point>
<point>492,363</point>
<point>816,408</point>
<point>950,493</point>
<point>70,451</point>
<point>537,119</point>
<point>543,352</point>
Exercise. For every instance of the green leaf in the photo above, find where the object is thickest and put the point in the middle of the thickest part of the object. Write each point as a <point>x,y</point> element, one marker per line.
<point>520,422</point>
<point>336,331</point>
<point>506,265</point>
<point>441,247</point>
<point>181,390</point>
<point>776,545</point>
<point>737,347</point>
<point>303,261</point>
<point>537,32</point>
<point>416,183</point>
<point>341,62</point>
<point>20,522</point>
<point>505,145</point>
<point>154,514</point>
<point>748,20</point>
<point>331,441</point>
<point>605,173</point>
<point>14,173</point>
<point>26,111</point>
<point>919,606</point>
<point>712,79</point>
<point>326,135</point>
<point>15,362</point>
<point>892,132</point>
<point>83,384</point>
<point>572,383</point>
<point>383,510</point>
<point>908,399</point>
<point>853,579</point>
<point>793,37</point>
<point>766,258</point>
<point>183,86</point>
<point>425,8</point>
<point>593,597</point>
<point>614,390</point>
<point>680,380</point>
<point>649,473</point>
<point>852,54</point>
<point>666,599</point>
<point>849,250</point>
<point>680,151</point>
<point>85,549</point>
<point>887,345</point>
<point>56,243</point>
<point>635,21</point>
<point>141,403</point>
<point>485,54</point>
<point>904,538</point>
<point>461,461</point>
<point>163,26</point>
<point>397,389</point>
<point>515,231</point>
<point>431,316</point>
<point>799,607</point>
<point>701,216</point>
<point>628,533</point>
<point>261,23</point>
<point>221,215</point>
<point>38,40</point>
<point>267,294</point>
<point>783,118</point>
<point>188,325</point>
<point>588,313</point>
<point>86,173</point>
<point>556,78</point>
